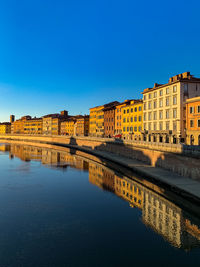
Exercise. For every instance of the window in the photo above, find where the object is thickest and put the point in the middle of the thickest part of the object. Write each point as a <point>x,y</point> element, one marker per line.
<point>145,106</point>
<point>155,115</point>
<point>155,104</point>
<point>198,123</point>
<point>167,114</point>
<point>124,111</point>
<point>174,113</point>
<point>144,97</point>
<point>124,120</point>
<point>161,103</point>
<point>150,105</point>
<point>131,119</point>
<point>127,129</point>
<point>127,110</point>
<point>167,125</point>
<point>161,126</point>
<point>135,119</point>
<point>149,116</point>
<point>155,94</point>
<point>145,117</point>
<point>174,100</point>
<point>139,129</point>
<point>155,126</point>
<point>191,123</point>
<point>145,126</point>
<point>174,125</point>
<point>161,115</point>
<point>128,119</point>
<point>140,108</point>
<point>140,118</point>
<point>149,125</point>
<point>161,92</point>
<point>124,129</point>
<point>167,101</point>
<point>131,110</point>
<point>198,109</point>
<point>150,96</point>
<point>174,89</point>
<point>131,129</point>
<point>135,109</point>
<point>167,90</point>
<point>191,110</point>
<point>135,129</point>
<point>185,89</point>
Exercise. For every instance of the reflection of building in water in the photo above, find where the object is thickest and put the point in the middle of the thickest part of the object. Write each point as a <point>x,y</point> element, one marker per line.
<point>74,161</point>
<point>101,177</point>
<point>4,147</point>
<point>26,153</point>
<point>163,216</point>
<point>129,190</point>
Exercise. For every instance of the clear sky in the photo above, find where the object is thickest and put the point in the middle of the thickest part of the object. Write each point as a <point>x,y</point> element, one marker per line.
<point>76,54</point>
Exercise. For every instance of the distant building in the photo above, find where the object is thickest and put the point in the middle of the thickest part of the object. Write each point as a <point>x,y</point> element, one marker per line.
<point>33,126</point>
<point>12,118</point>
<point>82,126</point>
<point>132,120</point>
<point>118,116</point>
<point>109,119</point>
<point>193,121</point>
<point>52,123</point>
<point>18,125</point>
<point>5,128</point>
<point>68,127</point>
<point>164,108</point>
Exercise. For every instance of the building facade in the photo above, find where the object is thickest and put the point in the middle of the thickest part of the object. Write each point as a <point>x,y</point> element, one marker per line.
<point>164,108</point>
<point>51,124</point>
<point>68,127</point>
<point>193,121</point>
<point>17,127</point>
<point>82,126</point>
<point>33,126</point>
<point>118,117</point>
<point>132,120</point>
<point>109,120</point>
<point>5,128</point>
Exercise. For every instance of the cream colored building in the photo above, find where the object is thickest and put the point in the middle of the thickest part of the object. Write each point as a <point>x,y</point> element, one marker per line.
<point>164,108</point>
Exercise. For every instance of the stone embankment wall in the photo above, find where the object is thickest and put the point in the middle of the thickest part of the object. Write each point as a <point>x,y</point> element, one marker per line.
<point>180,159</point>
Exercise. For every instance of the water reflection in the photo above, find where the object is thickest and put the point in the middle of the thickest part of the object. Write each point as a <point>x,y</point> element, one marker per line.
<point>176,225</point>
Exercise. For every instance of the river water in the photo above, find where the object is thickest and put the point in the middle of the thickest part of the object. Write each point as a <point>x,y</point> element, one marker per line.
<point>60,209</point>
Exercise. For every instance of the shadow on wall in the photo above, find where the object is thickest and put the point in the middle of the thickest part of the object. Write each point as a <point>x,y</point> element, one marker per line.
<point>177,163</point>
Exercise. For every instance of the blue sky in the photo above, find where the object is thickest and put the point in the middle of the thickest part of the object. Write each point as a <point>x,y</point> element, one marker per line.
<point>73,55</point>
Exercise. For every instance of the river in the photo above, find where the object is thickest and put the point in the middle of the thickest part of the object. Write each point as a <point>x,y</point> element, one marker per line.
<point>60,209</point>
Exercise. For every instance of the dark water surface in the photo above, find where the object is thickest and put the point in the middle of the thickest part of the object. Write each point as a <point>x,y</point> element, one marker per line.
<point>58,209</point>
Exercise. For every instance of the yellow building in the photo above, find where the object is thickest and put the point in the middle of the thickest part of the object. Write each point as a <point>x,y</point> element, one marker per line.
<point>130,191</point>
<point>132,120</point>
<point>68,127</point>
<point>33,126</point>
<point>5,128</point>
<point>96,127</point>
<point>52,123</point>
<point>82,126</point>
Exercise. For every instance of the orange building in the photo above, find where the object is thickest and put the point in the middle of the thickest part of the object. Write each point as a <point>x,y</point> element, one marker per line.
<point>18,125</point>
<point>118,116</point>
<point>82,126</point>
<point>193,121</point>
<point>33,126</point>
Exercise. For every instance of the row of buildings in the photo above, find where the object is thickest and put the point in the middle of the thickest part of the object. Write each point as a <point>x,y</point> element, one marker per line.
<point>167,113</point>
<point>52,124</point>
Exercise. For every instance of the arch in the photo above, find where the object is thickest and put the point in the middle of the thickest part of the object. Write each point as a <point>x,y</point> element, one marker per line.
<point>191,140</point>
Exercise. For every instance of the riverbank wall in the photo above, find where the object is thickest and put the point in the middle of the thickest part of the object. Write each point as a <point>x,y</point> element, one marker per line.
<point>177,158</point>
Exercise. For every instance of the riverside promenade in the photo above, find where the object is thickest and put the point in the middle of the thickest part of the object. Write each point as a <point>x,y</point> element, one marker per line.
<point>174,170</point>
